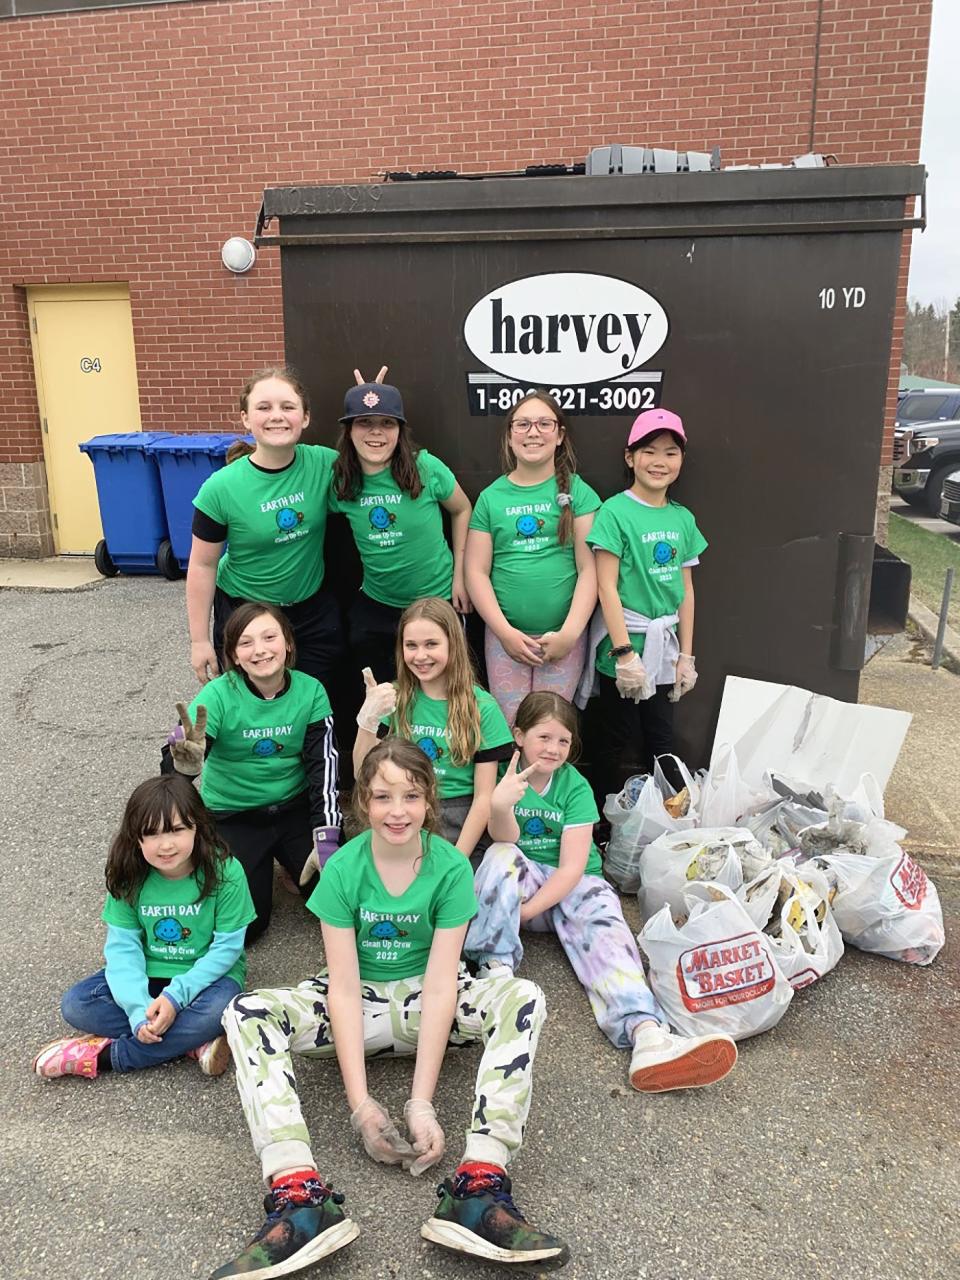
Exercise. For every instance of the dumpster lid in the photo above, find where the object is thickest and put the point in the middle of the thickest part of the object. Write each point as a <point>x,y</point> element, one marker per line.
<point>731,202</point>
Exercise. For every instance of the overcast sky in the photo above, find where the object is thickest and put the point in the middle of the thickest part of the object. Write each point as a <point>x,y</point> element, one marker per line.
<point>935,257</point>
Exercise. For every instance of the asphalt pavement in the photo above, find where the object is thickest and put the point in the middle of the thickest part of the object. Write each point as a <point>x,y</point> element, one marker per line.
<point>830,1150</point>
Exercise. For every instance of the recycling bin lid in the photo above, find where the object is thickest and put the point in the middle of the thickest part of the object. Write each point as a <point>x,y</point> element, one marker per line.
<point>122,440</point>
<point>203,442</point>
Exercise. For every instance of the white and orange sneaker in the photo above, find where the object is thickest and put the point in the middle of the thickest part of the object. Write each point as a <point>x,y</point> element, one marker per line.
<point>662,1061</point>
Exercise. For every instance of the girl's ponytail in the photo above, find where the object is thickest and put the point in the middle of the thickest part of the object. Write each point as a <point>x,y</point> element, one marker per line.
<point>565,464</point>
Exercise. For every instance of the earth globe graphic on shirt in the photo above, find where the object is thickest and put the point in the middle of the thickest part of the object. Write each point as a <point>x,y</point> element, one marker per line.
<point>529,526</point>
<point>267,747</point>
<point>536,827</point>
<point>288,519</point>
<point>429,748</point>
<point>170,930</point>
<point>663,552</point>
<point>382,519</point>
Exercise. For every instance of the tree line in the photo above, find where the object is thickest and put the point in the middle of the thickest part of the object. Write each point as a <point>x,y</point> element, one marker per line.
<point>929,351</point>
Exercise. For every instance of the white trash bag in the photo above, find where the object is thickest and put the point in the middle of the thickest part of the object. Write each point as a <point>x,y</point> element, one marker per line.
<point>887,905</point>
<point>716,972</point>
<point>669,864</point>
<point>725,799</point>
<point>637,815</point>
<point>793,909</point>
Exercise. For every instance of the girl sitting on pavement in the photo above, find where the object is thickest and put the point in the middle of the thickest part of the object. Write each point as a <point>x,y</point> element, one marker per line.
<point>263,735</point>
<point>392,493</point>
<point>544,874</point>
<point>176,912</point>
<point>393,904</point>
<point>436,704</point>
<point>530,572</point>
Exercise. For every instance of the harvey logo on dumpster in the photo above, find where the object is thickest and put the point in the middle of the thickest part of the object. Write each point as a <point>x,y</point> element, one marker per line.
<point>728,972</point>
<point>581,336</point>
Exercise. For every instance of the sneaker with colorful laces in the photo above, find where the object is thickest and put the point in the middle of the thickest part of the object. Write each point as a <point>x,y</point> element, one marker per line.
<point>70,1056</point>
<point>214,1057</point>
<point>662,1061</point>
<point>301,1228</point>
<point>476,1215</point>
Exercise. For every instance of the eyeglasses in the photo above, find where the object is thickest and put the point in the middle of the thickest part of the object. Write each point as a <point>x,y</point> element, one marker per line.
<point>545,426</point>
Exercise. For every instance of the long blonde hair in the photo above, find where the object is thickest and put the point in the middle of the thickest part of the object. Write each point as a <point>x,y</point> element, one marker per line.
<point>463,710</point>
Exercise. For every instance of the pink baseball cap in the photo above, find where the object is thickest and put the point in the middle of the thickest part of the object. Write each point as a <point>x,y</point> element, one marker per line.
<point>651,421</point>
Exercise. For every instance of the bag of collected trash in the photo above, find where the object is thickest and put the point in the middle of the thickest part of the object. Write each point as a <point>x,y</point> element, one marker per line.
<point>716,971</point>
<point>724,797</point>
<point>779,826</point>
<point>792,907</point>
<point>887,905</point>
<point>637,815</point>
<point>669,863</point>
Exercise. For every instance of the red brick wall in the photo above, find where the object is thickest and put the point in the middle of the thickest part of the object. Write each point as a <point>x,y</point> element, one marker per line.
<point>137,140</point>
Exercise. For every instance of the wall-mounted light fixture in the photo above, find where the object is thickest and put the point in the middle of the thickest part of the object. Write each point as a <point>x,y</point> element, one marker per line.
<point>238,255</point>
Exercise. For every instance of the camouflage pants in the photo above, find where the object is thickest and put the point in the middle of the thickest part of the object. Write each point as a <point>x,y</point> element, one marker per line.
<point>266,1027</point>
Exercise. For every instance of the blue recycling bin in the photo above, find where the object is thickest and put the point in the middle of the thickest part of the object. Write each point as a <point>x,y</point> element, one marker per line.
<point>184,462</point>
<point>131,502</point>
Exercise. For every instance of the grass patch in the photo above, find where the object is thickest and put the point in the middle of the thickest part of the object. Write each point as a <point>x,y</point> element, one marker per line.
<point>929,556</point>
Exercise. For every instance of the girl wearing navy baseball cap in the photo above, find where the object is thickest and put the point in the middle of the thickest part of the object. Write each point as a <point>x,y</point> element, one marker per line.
<point>391,493</point>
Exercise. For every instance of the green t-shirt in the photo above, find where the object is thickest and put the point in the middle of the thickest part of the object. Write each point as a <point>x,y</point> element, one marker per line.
<point>401,543</point>
<point>653,545</point>
<point>567,802</point>
<point>176,925</point>
<point>275,524</point>
<point>257,753</point>
<point>428,729</point>
<point>394,934</point>
<point>532,574</point>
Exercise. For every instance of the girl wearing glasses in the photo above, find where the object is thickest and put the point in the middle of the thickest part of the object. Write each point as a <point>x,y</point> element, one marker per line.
<point>391,493</point>
<point>529,570</point>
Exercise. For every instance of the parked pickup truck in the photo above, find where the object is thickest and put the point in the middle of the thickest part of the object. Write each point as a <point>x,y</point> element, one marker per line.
<point>924,454</point>
<point>950,501</point>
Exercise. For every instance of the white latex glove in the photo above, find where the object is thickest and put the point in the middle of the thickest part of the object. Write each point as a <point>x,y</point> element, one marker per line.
<point>686,677</point>
<point>380,700</point>
<point>380,1135</point>
<point>428,1140</point>
<point>632,679</point>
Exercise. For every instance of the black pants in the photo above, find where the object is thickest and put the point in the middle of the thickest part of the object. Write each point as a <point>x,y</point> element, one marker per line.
<point>316,625</point>
<point>257,836</point>
<point>373,636</point>
<point>628,737</point>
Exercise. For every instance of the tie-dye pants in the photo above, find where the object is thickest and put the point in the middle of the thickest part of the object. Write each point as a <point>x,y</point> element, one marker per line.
<point>592,931</point>
<point>266,1027</point>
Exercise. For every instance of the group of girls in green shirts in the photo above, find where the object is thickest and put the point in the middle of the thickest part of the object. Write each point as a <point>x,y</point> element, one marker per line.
<point>443,768</point>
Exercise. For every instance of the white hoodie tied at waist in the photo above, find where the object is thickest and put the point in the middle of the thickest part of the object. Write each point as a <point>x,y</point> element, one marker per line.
<point>661,649</point>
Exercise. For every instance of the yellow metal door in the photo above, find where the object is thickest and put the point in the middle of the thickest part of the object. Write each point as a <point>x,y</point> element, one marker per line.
<point>86,374</point>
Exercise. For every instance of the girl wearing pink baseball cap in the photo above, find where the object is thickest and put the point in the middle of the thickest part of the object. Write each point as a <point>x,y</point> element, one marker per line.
<point>646,546</point>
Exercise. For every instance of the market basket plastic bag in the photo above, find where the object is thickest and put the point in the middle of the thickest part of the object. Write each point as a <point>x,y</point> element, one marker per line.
<point>716,972</point>
<point>669,864</point>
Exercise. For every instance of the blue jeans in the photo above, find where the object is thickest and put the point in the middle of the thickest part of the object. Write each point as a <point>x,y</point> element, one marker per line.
<point>90,1007</point>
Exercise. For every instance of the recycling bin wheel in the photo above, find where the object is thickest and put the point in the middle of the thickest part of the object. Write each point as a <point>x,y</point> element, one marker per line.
<point>103,561</point>
<point>167,562</point>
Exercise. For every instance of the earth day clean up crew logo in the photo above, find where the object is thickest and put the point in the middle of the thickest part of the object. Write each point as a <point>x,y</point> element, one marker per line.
<point>581,336</point>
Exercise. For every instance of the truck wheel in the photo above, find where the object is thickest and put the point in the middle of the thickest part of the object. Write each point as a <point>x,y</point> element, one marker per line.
<point>103,560</point>
<point>167,562</point>
<point>934,487</point>
<point>916,500</point>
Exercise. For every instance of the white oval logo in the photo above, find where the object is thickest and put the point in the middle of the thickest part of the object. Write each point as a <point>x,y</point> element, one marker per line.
<point>565,328</point>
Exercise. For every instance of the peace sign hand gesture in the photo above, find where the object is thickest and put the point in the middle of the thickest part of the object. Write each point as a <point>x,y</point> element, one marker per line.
<point>188,741</point>
<point>512,787</point>
<point>360,379</point>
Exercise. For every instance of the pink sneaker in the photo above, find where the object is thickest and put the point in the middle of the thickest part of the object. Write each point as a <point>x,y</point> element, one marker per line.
<point>213,1057</point>
<point>71,1056</point>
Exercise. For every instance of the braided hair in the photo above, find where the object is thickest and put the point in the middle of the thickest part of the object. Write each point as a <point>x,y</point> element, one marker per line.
<point>564,459</point>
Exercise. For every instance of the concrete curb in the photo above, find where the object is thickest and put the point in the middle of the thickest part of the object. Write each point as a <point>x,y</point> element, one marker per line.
<point>926,622</point>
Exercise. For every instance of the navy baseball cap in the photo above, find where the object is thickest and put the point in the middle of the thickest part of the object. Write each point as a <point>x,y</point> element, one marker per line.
<point>372,398</point>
